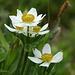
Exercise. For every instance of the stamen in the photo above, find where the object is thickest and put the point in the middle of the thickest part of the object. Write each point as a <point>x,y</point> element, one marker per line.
<point>36,28</point>
<point>47,57</point>
<point>19,28</point>
<point>28,18</point>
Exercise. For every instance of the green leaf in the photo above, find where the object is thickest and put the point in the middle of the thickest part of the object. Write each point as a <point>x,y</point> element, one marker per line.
<point>4,42</point>
<point>13,66</point>
<point>13,54</point>
<point>54,29</point>
<point>2,56</point>
<point>19,63</point>
<point>43,41</point>
<point>4,72</point>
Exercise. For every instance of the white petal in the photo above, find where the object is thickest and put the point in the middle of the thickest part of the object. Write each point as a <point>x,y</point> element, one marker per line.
<point>46,49</point>
<point>19,31</point>
<point>19,13</point>
<point>22,24</point>
<point>38,18</point>
<point>35,60</point>
<point>19,24</point>
<point>15,19</point>
<point>43,32</point>
<point>57,57</point>
<point>31,32</point>
<point>43,16</point>
<point>37,53</point>
<point>44,27</point>
<point>33,12</point>
<point>31,24</point>
<point>45,64</point>
<point>10,29</point>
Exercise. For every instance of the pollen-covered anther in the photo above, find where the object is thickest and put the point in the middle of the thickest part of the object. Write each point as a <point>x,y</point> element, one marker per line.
<point>28,18</point>
<point>19,28</point>
<point>36,28</point>
<point>47,57</point>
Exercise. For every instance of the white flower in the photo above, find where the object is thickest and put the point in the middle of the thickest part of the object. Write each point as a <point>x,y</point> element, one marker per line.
<point>46,57</point>
<point>38,30</point>
<point>29,19</point>
<point>17,29</point>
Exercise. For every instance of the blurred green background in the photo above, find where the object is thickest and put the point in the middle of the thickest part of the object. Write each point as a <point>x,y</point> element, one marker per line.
<point>65,41</point>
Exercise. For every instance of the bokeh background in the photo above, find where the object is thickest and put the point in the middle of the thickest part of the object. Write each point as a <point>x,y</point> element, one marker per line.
<point>65,41</point>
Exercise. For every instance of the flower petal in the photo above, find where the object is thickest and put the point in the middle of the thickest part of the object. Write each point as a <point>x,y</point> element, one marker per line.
<point>46,49</point>
<point>35,60</point>
<point>44,27</point>
<point>31,24</point>
<point>57,57</point>
<point>37,53</point>
<point>22,24</point>
<point>19,24</point>
<point>39,17</point>
<point>43,16</point>
<point>43,32</point>
<point>10,29</point>
<point>19,31</point>
<point>45,64</point>
<point>15,19</point>
<point>19,14</point>
<point>33,12</point>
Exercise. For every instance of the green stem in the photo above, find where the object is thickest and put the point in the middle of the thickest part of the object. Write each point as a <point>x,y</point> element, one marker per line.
<point>29,64</point>
<point>28,68</point>
<point>44,71</point>
<point>50,68</point>
<point>19,64</point>
<point>24,64</point>
<point>28,32</point>
<point>26,51</point>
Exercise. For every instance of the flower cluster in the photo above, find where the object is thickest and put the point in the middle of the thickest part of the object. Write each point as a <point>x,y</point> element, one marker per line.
<point>22,22</point>
<point>27,24</point>
<point>46,58</point>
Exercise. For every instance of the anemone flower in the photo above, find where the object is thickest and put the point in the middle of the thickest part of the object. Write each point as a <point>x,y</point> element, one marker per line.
<point>17,29</point>
<point>29,19</point>
<point>46,57</point>
<point>39,30</point>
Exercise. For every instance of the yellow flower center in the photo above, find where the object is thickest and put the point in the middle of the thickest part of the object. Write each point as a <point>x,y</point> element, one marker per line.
<point>19,28</point>
<point>36,28</point>
<point>28,18</point>
<point>47,57</point>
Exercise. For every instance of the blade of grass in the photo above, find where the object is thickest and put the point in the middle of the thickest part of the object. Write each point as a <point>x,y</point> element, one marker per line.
<point>4,71</point>
<point>4,42</point>
<point>19,64</point>
<point>53,30</point>
<point>12,54</point>
<point>2,56</point>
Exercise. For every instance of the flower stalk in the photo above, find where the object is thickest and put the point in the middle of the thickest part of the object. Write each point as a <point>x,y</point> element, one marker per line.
<point>19,64</point>
<point>26,51</point>
<point>25,60</point>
